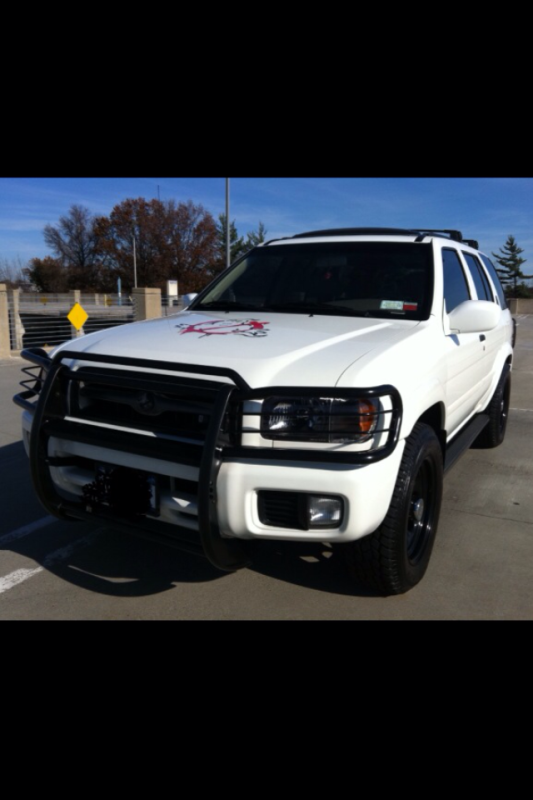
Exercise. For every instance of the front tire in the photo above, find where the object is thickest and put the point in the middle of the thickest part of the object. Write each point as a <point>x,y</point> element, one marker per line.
<point>395,557</point>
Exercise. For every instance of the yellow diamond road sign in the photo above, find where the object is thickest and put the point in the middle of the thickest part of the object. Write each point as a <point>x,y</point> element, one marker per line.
<point>77,316</point>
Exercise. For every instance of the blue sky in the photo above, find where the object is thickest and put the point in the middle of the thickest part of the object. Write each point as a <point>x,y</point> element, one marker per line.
<point>487,209</point>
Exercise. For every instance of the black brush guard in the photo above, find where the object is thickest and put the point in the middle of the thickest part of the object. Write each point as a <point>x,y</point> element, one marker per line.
<point>51,410</point>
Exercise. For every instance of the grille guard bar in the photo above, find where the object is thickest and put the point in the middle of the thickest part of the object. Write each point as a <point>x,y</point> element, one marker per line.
<point>224,553</point>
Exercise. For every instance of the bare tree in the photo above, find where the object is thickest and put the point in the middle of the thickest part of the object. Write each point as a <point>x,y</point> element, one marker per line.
<point>12,271</point>
<point>76,245</point>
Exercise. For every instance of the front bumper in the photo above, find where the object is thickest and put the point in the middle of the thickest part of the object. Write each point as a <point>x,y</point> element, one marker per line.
<point>209,480</point>
<point>366,492</point>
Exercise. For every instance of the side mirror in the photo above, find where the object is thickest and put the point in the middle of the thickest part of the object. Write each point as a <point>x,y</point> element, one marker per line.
<point>188,298</point>
<point>474,316</point>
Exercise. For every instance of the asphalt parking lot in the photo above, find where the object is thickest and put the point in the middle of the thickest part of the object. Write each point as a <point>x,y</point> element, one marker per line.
<point>480,569</point>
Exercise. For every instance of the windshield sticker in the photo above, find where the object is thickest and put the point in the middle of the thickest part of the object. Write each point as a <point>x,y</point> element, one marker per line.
<point>222,327</point>
<point>398,305</point>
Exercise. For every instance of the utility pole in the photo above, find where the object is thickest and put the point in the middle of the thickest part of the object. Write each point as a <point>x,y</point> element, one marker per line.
<point>227,225</point>
<point>134,264</point>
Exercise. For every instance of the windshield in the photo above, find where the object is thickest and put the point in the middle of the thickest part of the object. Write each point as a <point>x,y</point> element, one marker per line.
<point>370,279</point>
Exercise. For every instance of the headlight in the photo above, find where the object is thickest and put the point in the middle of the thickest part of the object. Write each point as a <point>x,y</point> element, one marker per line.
<point>319,419</point>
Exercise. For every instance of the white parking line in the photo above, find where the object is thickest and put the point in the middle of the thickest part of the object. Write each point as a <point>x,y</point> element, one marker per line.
<point>62,553</point>
<point>14,578</point>
<point>26,529</point>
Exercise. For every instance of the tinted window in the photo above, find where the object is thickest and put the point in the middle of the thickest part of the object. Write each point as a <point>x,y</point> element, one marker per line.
<point>351,278</point>
<point>455,285</point>
<point>483,289</point>
<point>496,281</point>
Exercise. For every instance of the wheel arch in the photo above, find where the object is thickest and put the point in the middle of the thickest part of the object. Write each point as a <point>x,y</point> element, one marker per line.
<point>504,364</point>
<point>434,417</point>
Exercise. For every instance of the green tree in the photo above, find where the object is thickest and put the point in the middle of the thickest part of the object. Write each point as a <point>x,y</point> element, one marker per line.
<point>47,274</point>
<point>522,290</point>
<point>236,242</point>
<point>238,245</point>
<point>256,237</point>
<point>510,263</point>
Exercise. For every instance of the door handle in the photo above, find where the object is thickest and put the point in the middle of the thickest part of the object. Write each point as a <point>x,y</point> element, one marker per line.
<point>482,337</point>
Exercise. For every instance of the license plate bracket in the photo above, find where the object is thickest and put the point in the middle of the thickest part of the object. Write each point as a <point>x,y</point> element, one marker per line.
<point>128,491</point>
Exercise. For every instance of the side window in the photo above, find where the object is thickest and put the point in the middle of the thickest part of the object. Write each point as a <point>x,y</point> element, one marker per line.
<point>483,289</point>
<point>455,285</point>
<point>495,279</point>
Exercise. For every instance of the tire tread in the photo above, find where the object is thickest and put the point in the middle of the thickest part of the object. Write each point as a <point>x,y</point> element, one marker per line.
<point>378,560</point>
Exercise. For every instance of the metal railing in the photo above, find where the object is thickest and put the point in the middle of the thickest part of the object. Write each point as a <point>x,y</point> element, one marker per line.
<point>170,305</point>
<point>41,320</point>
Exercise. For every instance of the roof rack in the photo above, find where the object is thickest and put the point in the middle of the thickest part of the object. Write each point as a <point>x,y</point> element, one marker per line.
<point>358,232</point>
<point>456,236</point>
<point>420,233</point>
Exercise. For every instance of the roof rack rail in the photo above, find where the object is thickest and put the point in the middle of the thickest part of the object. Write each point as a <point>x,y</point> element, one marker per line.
<point>456,236</point>
<point>420,233</point>
<point>472,243</point>
<point>277,239</point>
<point>358,232</point>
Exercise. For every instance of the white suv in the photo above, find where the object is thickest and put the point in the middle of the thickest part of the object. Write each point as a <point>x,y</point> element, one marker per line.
<point>317,390</point>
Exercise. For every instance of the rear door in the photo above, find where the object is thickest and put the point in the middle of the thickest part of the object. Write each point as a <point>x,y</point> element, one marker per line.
<point>465,352</point>
<point>492,340</point>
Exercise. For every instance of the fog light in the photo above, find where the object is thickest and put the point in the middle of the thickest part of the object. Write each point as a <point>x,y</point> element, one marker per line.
<point>324,512</point>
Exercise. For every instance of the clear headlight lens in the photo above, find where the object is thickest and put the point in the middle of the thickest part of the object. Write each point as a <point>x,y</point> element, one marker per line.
<point>319,419</point>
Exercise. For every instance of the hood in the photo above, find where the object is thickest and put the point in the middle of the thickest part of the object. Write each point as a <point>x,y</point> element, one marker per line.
<point>265,349</point>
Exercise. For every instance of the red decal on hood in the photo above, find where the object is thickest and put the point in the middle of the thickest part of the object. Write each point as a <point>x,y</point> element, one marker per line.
<point>223,327</point>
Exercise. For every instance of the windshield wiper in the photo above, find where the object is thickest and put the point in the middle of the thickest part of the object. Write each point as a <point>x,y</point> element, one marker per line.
<point>227,305</point>
<point>294,308</point>
<point>315,308</point>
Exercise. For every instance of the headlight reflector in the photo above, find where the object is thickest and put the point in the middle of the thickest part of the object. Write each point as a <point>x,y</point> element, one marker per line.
<point>319,419</point>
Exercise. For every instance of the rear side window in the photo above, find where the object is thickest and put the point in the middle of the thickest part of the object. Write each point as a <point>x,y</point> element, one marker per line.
<point>484,292</point>
<point>455,285</point>
<point>495,279</point>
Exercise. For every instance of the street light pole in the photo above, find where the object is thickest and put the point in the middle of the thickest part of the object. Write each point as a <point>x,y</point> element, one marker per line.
<point>134,264</point>
<point>227,225</point>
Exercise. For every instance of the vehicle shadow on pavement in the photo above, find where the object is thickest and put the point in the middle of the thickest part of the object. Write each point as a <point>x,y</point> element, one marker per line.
<point>313,565</point>
<point>122,566</point>
<point>113,563</point>
<point>105,561</point>
<point>86,554</point>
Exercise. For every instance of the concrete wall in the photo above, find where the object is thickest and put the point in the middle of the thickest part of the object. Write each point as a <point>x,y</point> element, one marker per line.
<point>520,305</point>
<point>147,303</point>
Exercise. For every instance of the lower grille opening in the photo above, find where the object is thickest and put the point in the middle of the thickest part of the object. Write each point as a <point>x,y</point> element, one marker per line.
<point>282,509</point>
